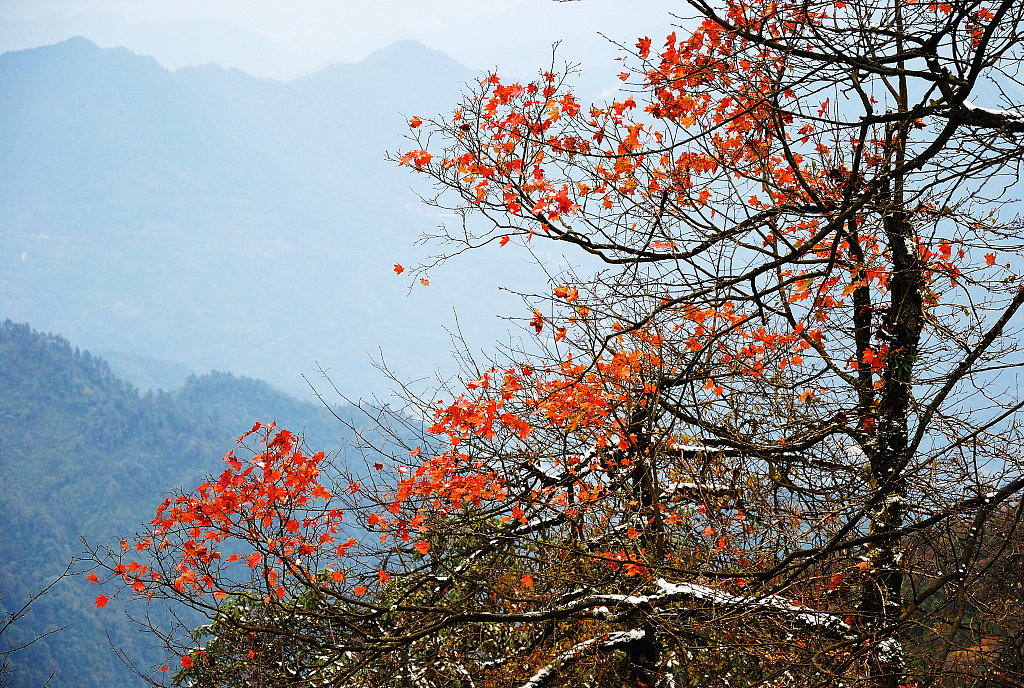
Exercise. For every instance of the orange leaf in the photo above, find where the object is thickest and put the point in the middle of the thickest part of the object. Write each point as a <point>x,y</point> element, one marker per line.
<point>93,578</point>
<point>359,590</point>
<point>645,47</point>
<point>415,122</point>
<point>527,580</point>
<point>423,547</point>
<point>219,595</point>
<point>399,269</point>
<point>415,452</point>
<point>537,323</point>
<point>101,601</point>
<point>990,259</point>
<point>504,240</point>
<point>253,559</point>
<point>424,281</point>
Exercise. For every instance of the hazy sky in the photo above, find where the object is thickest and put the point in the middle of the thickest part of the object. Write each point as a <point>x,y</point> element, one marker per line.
<point>282,39</point>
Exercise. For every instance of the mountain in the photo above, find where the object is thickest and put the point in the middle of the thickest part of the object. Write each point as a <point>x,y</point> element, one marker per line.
<point>146,373</point>
<point>83,454</point>
<point>234,223</point>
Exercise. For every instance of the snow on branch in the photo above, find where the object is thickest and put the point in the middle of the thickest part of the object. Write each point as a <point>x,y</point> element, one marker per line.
<point>614,640</point>
<point>975,116</point>
<point>624,606</point>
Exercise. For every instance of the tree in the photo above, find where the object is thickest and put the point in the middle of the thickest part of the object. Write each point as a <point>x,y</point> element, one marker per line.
<point>773,441</point>
<point>8,620</point>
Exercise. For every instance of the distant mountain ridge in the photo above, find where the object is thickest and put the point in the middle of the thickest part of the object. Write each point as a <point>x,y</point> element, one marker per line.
<point>229,222</point>
<point>82,453</point>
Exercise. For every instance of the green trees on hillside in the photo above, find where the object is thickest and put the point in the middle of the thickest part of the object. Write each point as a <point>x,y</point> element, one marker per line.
<point>82,453</point>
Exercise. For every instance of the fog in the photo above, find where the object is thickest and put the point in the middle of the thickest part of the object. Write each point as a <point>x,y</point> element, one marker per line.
<point>285,40</point>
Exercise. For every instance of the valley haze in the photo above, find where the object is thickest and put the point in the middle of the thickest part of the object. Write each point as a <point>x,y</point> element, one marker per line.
<point>207,217</point>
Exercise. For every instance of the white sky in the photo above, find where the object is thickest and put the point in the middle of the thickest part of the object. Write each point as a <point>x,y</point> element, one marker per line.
<point>283,39</point>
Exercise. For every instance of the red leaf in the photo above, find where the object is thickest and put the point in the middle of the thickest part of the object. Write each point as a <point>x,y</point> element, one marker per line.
<point>527,580</point>
<point>399,269</point>
<point>415,452</point>
<point>253,559</point>
<point>504,240</point>
<point>101,601</point>
<point>415,122</point>
<point>645,47</point>
<point>359,590</point>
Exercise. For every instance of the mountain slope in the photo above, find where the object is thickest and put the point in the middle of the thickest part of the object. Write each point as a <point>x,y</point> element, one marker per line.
<point>82,454</point>
<point>228,222</point>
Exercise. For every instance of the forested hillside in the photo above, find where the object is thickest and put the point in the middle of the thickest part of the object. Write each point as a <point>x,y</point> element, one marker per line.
<point>83,454</point>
